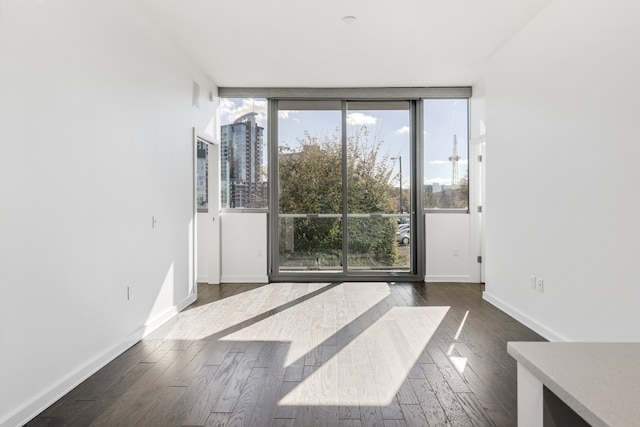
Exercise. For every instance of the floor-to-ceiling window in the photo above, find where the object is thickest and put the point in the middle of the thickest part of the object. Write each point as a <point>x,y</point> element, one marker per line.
<point>345,180</point>
<point>379,189</point>
<point>349,178</point>
<point>309,196</point>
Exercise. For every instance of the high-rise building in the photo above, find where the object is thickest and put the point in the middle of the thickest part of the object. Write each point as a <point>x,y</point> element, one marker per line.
<point>202,176</point>
<point>241,160</point>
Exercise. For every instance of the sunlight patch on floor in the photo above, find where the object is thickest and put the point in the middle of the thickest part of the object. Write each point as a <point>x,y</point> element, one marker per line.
<point>370,369</point>
<point>314,322</point>
<point>460,363</point>
<point>230,311</point>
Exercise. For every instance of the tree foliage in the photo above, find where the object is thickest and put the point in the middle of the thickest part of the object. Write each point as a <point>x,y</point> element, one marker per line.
<point>311,183</point>
<point>449,197</point>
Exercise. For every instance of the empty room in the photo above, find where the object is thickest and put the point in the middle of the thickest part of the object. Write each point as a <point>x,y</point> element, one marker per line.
<point>346,213</point>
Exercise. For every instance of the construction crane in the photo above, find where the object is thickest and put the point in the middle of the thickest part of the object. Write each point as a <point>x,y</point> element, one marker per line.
<point>454,162</point>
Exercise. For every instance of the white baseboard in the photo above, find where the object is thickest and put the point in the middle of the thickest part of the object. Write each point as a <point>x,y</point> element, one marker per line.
<point>166,315</point>
<point>244,279</point>
<point>444,278</point>
<point>43,400</point>
<point>523,318</point>
<point>205,279</point>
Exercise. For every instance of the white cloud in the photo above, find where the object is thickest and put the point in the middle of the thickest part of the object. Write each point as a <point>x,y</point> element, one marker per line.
<point>359,119</point>
<point>403,130</point>
<point>229,111</point>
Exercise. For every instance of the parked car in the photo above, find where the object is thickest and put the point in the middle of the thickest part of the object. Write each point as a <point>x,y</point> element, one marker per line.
<point>403,237</point>
<point>403,228</point>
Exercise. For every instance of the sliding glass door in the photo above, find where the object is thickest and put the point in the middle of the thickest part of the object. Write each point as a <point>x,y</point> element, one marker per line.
<point>345,199</point>
<point>378,201</point>
<point>310,225</point>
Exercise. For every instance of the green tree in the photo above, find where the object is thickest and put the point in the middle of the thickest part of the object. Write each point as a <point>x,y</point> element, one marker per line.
<point>449,197</point>
<point>311,183</point>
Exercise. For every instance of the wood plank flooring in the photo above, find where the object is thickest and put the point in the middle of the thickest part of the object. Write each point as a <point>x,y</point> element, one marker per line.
<point>305,354</point>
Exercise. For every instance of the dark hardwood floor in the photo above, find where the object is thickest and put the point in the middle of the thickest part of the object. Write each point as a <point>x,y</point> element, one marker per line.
<point>325,354</point>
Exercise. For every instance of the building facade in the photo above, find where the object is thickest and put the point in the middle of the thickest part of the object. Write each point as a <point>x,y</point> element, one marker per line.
<point>243,178</point>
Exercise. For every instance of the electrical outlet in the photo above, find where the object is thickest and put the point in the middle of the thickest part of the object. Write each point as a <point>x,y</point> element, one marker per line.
<point>456,252</point>
<point>540,285</point>
<point>533,282</point>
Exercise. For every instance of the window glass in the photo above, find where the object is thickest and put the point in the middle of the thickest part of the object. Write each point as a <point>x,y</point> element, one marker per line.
<point>243,153</point>
<point>446,159</point>
<point>310,187</point>
<point>202,173</point>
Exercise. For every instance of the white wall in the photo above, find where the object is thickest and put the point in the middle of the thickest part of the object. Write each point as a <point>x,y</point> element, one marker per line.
<point>563,126</point>
<point>95,139</point>
<point>204,225</point>
<point>450,251</point>
<point>243,247</point>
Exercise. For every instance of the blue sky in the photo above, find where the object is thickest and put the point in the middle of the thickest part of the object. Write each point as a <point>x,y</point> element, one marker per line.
<point>443,119</point>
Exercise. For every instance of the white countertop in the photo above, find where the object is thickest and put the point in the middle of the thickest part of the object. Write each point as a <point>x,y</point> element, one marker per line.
<point>599,381</point>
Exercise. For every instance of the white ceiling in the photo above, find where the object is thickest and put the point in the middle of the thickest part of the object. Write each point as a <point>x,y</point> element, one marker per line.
<point>298,43</point>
